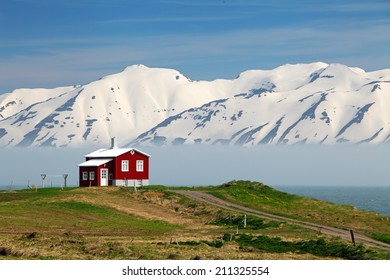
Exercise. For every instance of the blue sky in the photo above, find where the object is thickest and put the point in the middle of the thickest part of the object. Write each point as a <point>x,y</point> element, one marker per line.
<point>48,43</point>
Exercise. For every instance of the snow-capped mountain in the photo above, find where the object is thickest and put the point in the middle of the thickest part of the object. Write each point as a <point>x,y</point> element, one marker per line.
<point>304,103</point>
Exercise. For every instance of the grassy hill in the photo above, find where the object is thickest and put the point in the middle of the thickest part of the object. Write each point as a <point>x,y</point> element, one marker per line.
<point>262,197</point>
<point>155,223</point>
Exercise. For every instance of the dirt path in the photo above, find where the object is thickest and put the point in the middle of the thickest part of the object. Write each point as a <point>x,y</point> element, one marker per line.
<point>345,234</point>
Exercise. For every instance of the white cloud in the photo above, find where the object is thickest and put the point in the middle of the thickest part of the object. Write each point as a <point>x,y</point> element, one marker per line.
<point>170,19</point>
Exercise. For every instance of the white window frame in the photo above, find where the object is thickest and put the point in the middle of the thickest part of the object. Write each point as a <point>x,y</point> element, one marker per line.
<point>85,175</point>
<point>139,165</point>
<point>91,175</point>
<point>125,166</point>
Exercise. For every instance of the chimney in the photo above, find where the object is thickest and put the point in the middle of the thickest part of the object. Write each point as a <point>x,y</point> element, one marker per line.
<point>114,144</point>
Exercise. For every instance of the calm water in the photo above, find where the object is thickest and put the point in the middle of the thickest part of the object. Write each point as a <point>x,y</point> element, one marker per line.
<point>367,198</point>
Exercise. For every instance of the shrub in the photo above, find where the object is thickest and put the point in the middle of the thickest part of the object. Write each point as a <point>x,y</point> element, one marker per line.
<point>318,247</point>
<point>252,222</point>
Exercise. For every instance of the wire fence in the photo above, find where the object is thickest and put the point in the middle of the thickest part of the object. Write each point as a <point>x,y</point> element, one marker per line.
<point>49,181</point>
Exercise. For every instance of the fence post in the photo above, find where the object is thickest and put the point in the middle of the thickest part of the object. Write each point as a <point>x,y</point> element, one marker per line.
<point>65,176</point>
<point>352,237</point>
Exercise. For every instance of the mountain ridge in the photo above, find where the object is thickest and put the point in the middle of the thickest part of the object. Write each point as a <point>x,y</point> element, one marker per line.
<point>315,103</point>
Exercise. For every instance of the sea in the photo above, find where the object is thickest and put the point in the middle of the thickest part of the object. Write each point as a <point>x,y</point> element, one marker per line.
<point>375,199</point>
<point>371,198</point>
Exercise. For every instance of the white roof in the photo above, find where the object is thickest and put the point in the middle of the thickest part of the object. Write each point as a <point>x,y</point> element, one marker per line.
<point>107,153</point>
<point>104,153</point>
<point>95,162</point>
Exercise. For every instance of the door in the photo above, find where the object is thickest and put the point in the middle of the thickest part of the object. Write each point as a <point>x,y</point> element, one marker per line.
<point>104,177</point>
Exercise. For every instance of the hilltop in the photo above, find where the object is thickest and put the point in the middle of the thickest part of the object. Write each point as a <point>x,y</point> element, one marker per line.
<point>156,222</point>
<point>316,103</point>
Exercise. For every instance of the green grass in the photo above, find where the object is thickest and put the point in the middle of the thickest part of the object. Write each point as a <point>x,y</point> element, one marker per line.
<point>381,237</point>
<point>252,222</point>
<point>264,198</point>
<point>52,209</point>
<point>103,218</point>
<point>93,223</point>
<point>317,247</point>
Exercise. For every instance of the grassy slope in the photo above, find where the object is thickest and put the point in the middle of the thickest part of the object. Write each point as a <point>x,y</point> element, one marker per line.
<point>259,196</point>
<point>51,210</point>
<point>116,223</point>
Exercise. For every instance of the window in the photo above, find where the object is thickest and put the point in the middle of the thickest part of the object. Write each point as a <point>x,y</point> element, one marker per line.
<point>140,165</point>
<point>85,176</point>
<point>125,165</point>
<point>91,175</point>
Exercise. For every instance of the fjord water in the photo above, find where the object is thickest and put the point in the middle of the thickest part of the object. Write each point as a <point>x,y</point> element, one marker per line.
<point>375,199</point>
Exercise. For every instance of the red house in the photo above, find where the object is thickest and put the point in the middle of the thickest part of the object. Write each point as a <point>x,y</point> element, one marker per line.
<point>115,167</point>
